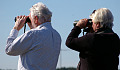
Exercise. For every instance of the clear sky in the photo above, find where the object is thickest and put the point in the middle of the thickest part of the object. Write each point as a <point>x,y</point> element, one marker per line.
<point>64,13</point>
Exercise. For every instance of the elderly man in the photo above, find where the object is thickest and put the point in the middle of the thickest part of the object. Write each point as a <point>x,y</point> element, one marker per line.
<point>38,48</point>
<point>98,50</point>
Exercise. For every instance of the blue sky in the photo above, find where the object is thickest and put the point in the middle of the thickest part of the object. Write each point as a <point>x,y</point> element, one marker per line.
<point>64,13</point>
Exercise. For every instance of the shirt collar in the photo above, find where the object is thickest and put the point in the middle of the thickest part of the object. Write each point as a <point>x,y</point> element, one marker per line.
<point>104,30</point>
<point>44,24</point>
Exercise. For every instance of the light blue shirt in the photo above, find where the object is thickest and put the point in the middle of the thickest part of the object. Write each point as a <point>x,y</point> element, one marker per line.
<point>38,48</point>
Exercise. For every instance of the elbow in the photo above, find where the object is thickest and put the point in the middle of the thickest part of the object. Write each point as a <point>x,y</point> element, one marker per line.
<point>68,43</point>
<point>8,53</point>
<point>11,53</point>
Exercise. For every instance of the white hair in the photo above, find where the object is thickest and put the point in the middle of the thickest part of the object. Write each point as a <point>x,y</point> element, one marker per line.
<point>41,11</point>
<point>104,16</point>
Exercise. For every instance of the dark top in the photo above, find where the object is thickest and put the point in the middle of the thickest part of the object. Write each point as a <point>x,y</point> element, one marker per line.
<point>98,51</point>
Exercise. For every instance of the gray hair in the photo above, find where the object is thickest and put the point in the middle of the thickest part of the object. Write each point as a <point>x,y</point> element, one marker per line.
<point>41,11</point>
<point>104,16</point>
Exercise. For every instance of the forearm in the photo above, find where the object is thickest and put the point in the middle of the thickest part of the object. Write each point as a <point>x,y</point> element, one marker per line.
<point>78,43</point>
<point>13,35</point>
<point>19,45</point>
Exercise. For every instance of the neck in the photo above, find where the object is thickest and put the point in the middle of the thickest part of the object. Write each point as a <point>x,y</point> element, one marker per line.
<point>104,29</point>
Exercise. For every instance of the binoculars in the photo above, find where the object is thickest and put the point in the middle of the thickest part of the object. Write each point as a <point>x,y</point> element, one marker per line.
<point>88,27</point>
<point>89,23</point>
<point>27,20</point>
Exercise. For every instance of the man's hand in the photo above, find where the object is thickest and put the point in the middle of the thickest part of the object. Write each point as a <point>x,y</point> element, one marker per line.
<point>20,20</point>
<point>82,23</point>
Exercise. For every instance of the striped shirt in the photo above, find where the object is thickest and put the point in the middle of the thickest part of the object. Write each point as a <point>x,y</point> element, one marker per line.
<point>38,48</point>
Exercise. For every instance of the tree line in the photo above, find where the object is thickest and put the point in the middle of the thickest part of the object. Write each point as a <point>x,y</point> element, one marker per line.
<point>70,68</point>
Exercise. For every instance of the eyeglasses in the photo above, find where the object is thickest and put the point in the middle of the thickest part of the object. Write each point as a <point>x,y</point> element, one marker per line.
<point>93,11</point>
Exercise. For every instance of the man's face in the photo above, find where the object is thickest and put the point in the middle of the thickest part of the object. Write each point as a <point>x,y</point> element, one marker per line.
<point>30,24</point>
<point>34,21</point>
<point>30,17</point>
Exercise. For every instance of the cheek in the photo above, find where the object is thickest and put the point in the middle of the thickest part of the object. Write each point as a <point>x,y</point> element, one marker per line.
<point>30,16</point>
<point>93,26</point>
<point>31,19</point>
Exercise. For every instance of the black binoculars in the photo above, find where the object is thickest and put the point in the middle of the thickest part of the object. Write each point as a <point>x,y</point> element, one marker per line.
<point>27,20</point>
<point>89,23</point>
<point>88,27</point>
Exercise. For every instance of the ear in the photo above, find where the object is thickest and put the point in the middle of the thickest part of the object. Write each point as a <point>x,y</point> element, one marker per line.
<point>36,19</point>
<point>98,25</point>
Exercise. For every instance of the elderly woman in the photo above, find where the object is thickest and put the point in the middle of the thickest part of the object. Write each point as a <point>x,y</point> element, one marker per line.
<point>39,47</point>
<point>99,50</point>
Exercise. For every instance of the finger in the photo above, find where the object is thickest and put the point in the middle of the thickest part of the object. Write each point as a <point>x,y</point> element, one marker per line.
<point>23,17</point>
<point>26,17</point>
<point>20,16</point>
<point>17,17</point>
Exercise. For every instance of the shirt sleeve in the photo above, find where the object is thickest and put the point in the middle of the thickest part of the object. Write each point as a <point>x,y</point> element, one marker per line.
<point>18,45</point>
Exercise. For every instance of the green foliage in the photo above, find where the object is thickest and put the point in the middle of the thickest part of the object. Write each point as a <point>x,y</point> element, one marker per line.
<point>70,68</point>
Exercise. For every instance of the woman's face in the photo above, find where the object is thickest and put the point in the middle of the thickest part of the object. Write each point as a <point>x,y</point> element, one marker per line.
<point>95,26</point>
